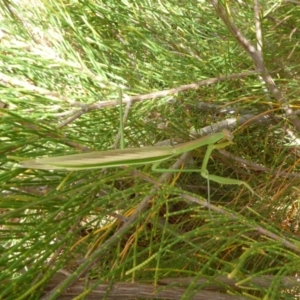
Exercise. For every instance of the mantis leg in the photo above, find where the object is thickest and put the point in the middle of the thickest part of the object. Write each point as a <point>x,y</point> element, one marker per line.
<point>203,171</point>
<point>219,179</point>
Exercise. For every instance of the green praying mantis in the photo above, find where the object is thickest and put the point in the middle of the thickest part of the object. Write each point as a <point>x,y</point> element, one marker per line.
<point>140,156</point>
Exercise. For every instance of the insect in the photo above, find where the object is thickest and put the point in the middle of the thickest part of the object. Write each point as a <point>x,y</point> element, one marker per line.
<point>140,156</point>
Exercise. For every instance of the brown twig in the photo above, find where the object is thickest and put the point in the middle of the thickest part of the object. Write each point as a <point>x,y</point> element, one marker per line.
<point>256,167</point>
<point>169,288</point>
<point>173,91</point>
<point>128,290</point>
<point>7,80</point>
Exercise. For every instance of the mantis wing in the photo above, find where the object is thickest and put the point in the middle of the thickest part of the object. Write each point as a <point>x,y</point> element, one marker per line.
<point>122,157</point>
<point>102,159</point>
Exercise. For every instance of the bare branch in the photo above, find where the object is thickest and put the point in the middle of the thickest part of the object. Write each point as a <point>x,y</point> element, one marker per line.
<point>257,60</point>
<point>173,91</point>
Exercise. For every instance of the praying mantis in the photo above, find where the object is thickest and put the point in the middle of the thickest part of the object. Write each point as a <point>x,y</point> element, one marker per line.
<point>140,156</point>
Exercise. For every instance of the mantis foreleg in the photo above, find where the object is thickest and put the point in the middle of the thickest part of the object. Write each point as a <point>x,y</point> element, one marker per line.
<point>204,172</point>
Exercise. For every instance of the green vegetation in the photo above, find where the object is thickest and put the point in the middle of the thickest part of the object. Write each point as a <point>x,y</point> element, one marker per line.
<point>185,70</point>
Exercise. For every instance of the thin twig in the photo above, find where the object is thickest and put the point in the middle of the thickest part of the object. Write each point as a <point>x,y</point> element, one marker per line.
<point>256,167</point>
<point>173,91</point>
<point>259,43</point>
<point>258,29</point>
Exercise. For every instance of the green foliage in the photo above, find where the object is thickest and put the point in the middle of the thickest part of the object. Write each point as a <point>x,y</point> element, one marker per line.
<point>63,64</point>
